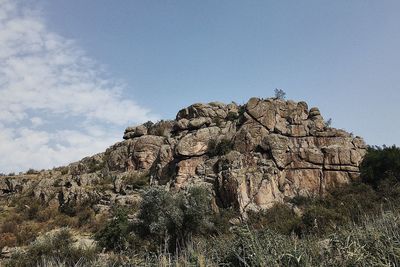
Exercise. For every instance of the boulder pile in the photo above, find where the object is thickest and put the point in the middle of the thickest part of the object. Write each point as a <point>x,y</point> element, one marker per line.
<point>251,156</point>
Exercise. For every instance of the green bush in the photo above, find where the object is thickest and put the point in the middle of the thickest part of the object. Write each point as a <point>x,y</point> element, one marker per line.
<point>171,218</point>
<point>232,116</point>
<point>320,220</point>
<point>196,212</point>
<point>219,148</point>
<point>115,234</point>
<point>32,171</point>
<point>381,163</point>
<point>57,247</point>
<point>279,218</point>
<point>137,180</point>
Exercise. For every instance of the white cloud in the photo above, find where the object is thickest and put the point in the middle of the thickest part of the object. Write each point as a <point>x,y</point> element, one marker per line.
<point>44,73</point>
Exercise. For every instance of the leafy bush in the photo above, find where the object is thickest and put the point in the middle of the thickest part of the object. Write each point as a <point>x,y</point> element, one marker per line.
<point>32,171</point>
<point>148,124</point>
<point>279,218</point>
<point>170,218</point>
<point>279,94</point>
<point>232,116</point>
<point>381,163</point>
<point>196,211</point>
<point>57,246</point>
<point>137,180</point>
<point>115,233</point>
<point>219,148</point>
<point>160,215</point>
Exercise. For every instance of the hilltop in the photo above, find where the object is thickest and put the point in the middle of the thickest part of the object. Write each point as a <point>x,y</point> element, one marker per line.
<point>251,156</point>
<point>270,169</point>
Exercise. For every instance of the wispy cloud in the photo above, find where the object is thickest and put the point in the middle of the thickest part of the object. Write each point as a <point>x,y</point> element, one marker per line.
<point>56,104</point>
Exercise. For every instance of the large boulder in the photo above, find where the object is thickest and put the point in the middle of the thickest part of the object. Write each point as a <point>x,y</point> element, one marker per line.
<point>196,143</point>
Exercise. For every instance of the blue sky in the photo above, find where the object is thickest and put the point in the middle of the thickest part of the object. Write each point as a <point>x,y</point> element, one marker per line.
<point>139,60</point>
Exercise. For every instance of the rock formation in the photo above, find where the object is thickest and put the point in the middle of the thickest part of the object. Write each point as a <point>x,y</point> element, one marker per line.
<point>251,156</point>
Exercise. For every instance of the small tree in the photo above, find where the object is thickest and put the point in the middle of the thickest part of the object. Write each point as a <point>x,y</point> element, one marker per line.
<point>280,94</point>
<point>173,217</point>
<point>328,123</point>
<point>116,232</point>
<point>148,124</point>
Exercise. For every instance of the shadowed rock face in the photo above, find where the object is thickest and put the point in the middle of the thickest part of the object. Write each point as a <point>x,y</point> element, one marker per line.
<point>251,156</point>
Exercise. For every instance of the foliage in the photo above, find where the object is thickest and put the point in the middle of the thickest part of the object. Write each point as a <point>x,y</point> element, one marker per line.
<point>94,165</point>
<point>137,180</point>
<point>279,218</point>
<point>148,124</point>
<point>381,163</point>
<point>219,148</point>
<point>32,171</point>
<point>328,123</point>
<point>232,116</point>
<point>279,94</point>
<point>115,233</point>
<point>170,218</point>
<point>57,246</point>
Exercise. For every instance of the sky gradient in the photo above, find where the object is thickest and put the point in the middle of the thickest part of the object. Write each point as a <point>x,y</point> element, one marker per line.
<point>140,60</point>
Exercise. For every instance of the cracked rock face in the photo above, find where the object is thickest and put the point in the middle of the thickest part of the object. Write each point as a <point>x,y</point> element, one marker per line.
<point>252,156</point>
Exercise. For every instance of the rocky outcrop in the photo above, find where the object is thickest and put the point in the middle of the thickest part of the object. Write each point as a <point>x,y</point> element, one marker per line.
<point>252,156</point>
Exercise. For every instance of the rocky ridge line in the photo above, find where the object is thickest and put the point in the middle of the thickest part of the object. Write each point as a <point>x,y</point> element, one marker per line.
<point>251,156</point>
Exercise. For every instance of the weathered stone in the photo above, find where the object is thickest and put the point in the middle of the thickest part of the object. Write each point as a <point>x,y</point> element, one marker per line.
<point>146,150</point>
<point>303,182</point>
<point>162,128</point>
<point>334,179</point>
<point>186,169</point>
<point>263,112</point>
<point>197,123</point>
<point>314,112</point>
<point>132,132</point>
<point>249,137</point>
<point>118,157</point>
<point>196,144</point>
<point>182,124</point>
<point>273,150</point>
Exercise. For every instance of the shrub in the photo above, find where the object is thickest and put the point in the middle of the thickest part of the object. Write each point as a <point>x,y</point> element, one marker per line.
<point>7,240</point>
<point>115,233</point>
<point>220,148</point>
<point>171,218</point>
<point>160,215</point>
<point>196,211</point>
<point>279,94</point>
<point>353,201</point>
<point>137,180</point>
<point>232,116</point>
<point>56,246</point>
<point>320,220</point>
<point>148,124</point>
<point>380,164</point>
<point>27,232</point>
<point>32,171</point>
<point>279,218</point>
